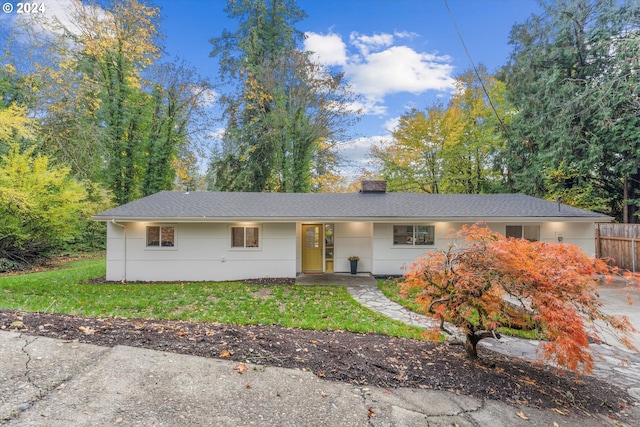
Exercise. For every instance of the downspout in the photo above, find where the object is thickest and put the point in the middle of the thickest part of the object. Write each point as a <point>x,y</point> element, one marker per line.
<point>124,260</point>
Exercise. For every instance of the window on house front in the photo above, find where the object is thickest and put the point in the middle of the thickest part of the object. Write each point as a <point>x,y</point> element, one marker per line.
<point>413,235</point>
<point>245,237</point>
<point>161,236</point>
<point>529,232</point>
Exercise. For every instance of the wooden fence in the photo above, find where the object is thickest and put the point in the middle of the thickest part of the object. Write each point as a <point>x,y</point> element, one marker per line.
<point>621,243</point>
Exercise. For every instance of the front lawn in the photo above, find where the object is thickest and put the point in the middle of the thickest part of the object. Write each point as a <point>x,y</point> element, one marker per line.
<point>66,290</point>
<point>391,289</point>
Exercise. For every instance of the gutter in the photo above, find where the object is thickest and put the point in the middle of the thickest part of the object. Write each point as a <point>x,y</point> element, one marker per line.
<point>124,260</point>
<point>388,219</point>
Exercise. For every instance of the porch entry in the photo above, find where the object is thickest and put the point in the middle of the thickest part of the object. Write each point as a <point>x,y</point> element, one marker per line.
<point>317,248</point>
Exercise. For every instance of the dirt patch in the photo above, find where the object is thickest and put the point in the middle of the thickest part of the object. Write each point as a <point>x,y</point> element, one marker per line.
<point>362,359</point>
<point>266,281</point>
<point>262,293</point>
<point>272,281</point>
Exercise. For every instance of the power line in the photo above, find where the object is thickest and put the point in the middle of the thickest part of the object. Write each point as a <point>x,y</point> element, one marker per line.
<point>475,70</point>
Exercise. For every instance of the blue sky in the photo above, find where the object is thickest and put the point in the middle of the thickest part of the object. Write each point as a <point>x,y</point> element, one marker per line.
<point>397,54</point>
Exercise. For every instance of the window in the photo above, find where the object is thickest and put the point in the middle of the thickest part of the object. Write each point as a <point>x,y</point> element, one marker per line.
<point>245,237</point>
<point>161,236</point>
<point>413,235</point>
<point>529,232</point>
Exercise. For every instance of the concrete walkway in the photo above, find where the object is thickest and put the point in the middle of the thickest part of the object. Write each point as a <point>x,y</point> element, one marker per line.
<point>364,288</point>
<point>371,297</point>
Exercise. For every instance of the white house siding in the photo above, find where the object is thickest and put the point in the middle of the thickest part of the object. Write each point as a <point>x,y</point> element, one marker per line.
<point>202,252</point>
<point>393,260</point>
<point>115,253</point>
<point>353,238</point>
<point>581,234</point>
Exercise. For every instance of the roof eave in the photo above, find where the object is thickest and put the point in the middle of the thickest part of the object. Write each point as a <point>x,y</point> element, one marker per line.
<point>204,219</point>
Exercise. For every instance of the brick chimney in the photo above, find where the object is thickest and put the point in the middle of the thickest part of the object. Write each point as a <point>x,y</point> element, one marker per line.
<point>373,186</point>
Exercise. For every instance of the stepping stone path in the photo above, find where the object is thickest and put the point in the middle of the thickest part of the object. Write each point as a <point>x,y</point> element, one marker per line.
<point>371,297</point>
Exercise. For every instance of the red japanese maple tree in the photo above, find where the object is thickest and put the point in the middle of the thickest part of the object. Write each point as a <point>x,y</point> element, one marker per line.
<point>484,281</point>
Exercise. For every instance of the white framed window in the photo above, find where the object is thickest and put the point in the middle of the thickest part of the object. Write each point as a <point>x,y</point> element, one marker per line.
<point>413,235</point>
<point>161,236</point>
<point>529,232</point>
<point>245,237</point>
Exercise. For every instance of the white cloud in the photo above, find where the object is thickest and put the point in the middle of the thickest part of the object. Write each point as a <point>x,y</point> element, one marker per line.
<point>60,16</point>
<point>406,35</point>
<point>204,95</point>
<point>369,107</point>
<point>400,69</point>
<point>356,152</point>
<point>391,125</point>
<point>329,48</point>
<point>216,134</point>
<point>62,12</point>
<point>378,66</point>
<point>366,43</point>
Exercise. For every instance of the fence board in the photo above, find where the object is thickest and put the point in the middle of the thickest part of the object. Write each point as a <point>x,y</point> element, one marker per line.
<point>620,243</point>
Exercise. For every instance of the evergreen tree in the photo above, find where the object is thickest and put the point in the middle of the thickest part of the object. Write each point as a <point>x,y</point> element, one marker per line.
<point>573,79</point>
<point>285,112</point>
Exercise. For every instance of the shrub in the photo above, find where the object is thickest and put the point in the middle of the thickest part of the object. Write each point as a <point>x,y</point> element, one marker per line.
<point>42,208</point>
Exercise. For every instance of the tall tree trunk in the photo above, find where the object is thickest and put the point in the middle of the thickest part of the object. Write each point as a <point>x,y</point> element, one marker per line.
<point>625,201</point>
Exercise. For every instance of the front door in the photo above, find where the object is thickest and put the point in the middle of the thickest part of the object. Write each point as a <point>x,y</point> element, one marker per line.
<point>312,248</point>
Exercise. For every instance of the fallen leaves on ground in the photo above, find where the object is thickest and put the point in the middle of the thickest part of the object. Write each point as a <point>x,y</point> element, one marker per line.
<point>87,330</point>
<point>241,368</point>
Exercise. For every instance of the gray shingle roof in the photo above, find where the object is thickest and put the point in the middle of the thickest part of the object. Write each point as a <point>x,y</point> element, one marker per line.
<point>212,206</point>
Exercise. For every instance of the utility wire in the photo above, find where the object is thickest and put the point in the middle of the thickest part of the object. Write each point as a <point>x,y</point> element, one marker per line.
<point>475,70</point>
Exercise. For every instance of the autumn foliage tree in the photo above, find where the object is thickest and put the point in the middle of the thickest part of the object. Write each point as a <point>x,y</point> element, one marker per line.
<point>453,148</point>
<point>41,207</point>
<point>484,281</point>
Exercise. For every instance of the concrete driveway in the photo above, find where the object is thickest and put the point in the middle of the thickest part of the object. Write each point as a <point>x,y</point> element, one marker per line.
<point>616,302</point>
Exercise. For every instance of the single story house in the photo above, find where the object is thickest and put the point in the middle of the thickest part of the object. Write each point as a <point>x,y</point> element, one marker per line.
<point>198,236</point>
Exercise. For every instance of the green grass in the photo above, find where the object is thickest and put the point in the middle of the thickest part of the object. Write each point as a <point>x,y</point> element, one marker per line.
<point>391,290</point>
<point>64,290</point>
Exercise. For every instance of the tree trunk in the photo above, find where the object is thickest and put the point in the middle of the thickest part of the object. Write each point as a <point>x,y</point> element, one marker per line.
<point>631,195</point>
<point>473,338</point>
<point>471,346</point>
<point>625,201</point>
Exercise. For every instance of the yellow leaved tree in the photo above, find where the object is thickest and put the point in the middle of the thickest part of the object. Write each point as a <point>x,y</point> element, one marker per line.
<point>14,123</point>
<point>41,207</point>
